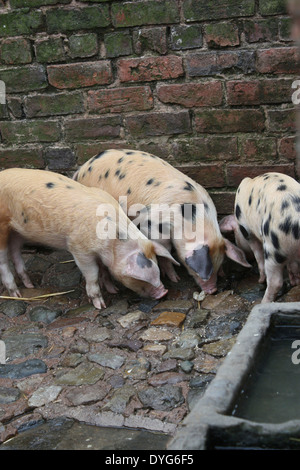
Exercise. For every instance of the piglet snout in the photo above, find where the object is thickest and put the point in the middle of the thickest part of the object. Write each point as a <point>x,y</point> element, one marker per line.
<point>158,292</point>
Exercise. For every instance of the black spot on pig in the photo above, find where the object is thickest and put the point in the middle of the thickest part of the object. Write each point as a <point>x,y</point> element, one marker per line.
<point>282,187</point>
<point>250,200</point>
<point>296,231</point>
<point>189,186</point>
<point>129,152</point>
<point>188,211</point>
<point>120,160</point>
<point>69,187</point>
<point>128,191</point>
<point>284,205</point>
<point>286,225</point>
<point>99,155</point>
<point>266,227</point>
<point>266,254</point>
<point>106,174</point>
<point>245,232</point>
<point>296,202</point>
<point>100,178</point>
<point>274,240</point>
<point>117,172</point>
<point>143,262</point>
<point>122,176</point>
<point>90,168</point>
<point>150,181</point>
<point>258,203</point>
<point>50,185</point>
<point>238,211</point>
<point>279,257</point>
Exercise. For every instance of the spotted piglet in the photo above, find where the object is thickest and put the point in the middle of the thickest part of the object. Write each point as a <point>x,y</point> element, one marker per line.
<point>266,222</point>
<point>150,181</point>
<point>51,209</point>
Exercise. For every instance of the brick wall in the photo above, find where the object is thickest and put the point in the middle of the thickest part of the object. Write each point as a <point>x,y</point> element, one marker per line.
<point>205,84</point>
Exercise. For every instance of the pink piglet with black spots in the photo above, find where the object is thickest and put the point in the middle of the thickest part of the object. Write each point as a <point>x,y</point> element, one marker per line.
<point>266,223</point>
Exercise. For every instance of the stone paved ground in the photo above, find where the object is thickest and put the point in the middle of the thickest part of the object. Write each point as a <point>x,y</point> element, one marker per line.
<point>138,363</point>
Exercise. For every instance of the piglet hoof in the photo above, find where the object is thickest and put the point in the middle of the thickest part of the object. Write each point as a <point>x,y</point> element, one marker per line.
<point>28,284</point>
<point>262,279</point>
<point>98,302</point>
<point>15,293</point>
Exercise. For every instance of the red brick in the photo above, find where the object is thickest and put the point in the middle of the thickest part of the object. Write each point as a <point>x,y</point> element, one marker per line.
<point>150,68</point>
<point>235,173</point>
<point>118,100</point>
<point>22,157</point>
<point>230,120</point>
<point>254,92</point>
<point>80,74</point>
<point>205,148</point>
<point>214,63</point>
<point>209,176</point>
<point>258,148</point>
<point>279,60</point>
<point>192,94</point>
<point>222,35</point>
<point>287,148</point>
<point>151,124</point>
<point>92,128</point>
<point>281,120</point>
<point>224,201</point>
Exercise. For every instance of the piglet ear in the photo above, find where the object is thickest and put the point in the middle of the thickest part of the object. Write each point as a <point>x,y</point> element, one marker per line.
<point>200,262</point>
<point>141,268</point>
<point>228,224</point>
<point>160,250</point>
<point>236,254</point>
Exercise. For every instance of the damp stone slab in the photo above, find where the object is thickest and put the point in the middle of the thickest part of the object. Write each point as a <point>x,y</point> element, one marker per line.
<point>211,423</point>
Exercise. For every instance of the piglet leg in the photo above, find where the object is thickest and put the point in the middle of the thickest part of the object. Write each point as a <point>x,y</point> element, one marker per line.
<point>105,279</point>
<point>258,252</point>
<point>15,245</point>
<point>6,274</point>
<point>90,270</point>
<point>274,274</point>
<point>294,273</point>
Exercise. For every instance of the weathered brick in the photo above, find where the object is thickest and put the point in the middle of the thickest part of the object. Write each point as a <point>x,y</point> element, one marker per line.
<point>205,149</point>
<point>192,94</point>
<point>58,158</point>
<point>208,175</point>
<point>81,74</point>
<point>16,132</point>
<point>15,106</point>
<point>150,39</point>
<point>15,51</point>
<point>281,120</point>
<point>272,7</point>
<point>118,100</point>
<point>62,19</point>
<point>86,150</point>
<point>235,173</point>
<point>279,60</point>
<point>54,104</point>
<point>92,128</point>
<point>229,120</point>
<point>150,68</point>
<point>254,92</point>
<point>221,35</point>
<point>26,78</point>
<point>224,201</point>
<point>213,63</point>
<point>144,13</point>
<point>49,50</point>
<point>200,10</point>
<point>152,124</point>
<point>21,22</point>
<point>185,37</point>
<point>4,111</point>
<point>160,124</point>
<point>83,45</point>
<point>21,157</point>
<point>287,148</point>
<point>258,148</point>
<point>285,29</point>
<point>118,43</point>
<point>261,30</point>
<point>35,3</point>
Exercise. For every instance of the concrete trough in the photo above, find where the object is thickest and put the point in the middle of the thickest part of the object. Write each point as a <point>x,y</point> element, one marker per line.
<point>210,424</point>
